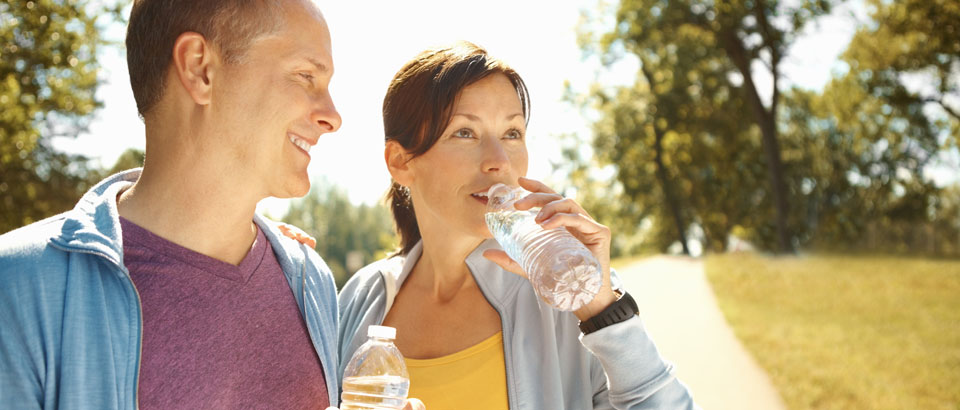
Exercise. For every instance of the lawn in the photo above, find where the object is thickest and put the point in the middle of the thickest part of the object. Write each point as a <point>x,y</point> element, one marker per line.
<point>847,332</point>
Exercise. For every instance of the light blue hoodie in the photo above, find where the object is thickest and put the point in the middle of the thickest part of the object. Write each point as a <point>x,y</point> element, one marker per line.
<point>70,317</point>
<point>549,363</point>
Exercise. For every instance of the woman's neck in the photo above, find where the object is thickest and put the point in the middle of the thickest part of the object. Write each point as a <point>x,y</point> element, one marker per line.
<point>442,266</point>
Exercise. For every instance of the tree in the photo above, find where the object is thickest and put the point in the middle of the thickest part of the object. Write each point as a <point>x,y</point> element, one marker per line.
<point>48,77</point>
<point>911,37</point>
<point>680,136</point>
<point>852,166</point>
<point>343,231</point>
<point>131,158</point>
<point>852,156</point>
<point>867,139</point>
<point>751,34</point>
<point>579,175</point>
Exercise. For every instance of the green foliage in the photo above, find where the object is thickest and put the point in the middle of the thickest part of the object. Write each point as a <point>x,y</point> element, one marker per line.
<point>690,140</point>
<point>40,185</point>
<point>857,172</point>
<point>577,176</point>
<point>694,122</point>
<point>684,106</point>
<point>920,38</point>
<point>131,158</point>
<point>341,227</point>
<point>862,144</point>
<point>721,40</point>
<point>48,77</point>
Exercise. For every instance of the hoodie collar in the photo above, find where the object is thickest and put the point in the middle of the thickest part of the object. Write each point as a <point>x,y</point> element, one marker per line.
<point>495,283</point>
<point>93,225</point>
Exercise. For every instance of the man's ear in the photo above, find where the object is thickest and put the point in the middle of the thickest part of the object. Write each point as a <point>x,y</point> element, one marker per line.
<point>397,160</point>
<point>193,61</point>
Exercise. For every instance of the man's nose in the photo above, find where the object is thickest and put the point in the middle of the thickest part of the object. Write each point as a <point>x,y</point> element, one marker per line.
<point>325,114</point>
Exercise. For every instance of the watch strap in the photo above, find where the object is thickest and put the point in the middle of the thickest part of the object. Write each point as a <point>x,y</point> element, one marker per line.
<point>619,311</point>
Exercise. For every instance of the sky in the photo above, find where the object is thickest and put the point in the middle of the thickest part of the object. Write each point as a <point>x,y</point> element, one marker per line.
<point>373,39</point>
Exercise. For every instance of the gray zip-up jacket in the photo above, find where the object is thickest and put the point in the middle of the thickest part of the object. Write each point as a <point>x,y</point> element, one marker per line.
<point>550,364</point>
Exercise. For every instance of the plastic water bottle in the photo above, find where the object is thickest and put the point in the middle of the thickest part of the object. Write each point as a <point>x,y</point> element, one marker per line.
<point>562,270</point>
<point>376,377</point>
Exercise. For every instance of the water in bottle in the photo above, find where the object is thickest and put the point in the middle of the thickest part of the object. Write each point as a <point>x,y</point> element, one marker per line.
<point>376,377</point>
<point>562,270</point>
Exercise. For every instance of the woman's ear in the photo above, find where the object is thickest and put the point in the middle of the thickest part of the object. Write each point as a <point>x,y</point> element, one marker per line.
<point>397,159</point>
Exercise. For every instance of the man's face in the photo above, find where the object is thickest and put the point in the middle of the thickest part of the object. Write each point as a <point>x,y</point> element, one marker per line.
<point>275,104</point>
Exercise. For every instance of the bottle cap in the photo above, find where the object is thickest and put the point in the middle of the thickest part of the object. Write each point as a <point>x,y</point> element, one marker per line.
<point>383,332</point>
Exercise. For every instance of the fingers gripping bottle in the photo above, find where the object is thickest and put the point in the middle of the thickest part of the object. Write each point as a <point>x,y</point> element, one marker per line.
<point>376,377</point>
<point>562,270</point>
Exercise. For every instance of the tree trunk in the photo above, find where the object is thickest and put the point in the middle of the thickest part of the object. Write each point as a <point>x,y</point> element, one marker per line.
<point>775,171</point>
<point>668,193</point>
<point>766,120</point>
<point>665,185</point>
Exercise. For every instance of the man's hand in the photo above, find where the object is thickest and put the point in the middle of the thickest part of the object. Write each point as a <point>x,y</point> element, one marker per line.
<point>298,235</point>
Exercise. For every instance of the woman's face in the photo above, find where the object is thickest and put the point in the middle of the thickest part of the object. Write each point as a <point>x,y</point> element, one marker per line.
<point>483,145</point>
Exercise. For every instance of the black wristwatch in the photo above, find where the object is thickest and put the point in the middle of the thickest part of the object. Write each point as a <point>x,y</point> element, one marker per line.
<point>619,311</point>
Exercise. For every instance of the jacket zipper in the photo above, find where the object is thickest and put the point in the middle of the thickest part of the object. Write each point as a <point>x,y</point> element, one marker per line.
<point>136,383</point>
<point>507,353</point>
<point>320,355</point>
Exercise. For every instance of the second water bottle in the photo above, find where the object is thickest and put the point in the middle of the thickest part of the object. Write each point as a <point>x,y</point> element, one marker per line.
<point>376,376</point>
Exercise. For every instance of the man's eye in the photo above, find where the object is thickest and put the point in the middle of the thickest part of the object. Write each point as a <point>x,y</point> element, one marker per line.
<point>307,76</point>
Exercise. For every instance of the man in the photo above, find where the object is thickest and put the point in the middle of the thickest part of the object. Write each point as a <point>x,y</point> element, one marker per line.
<point>162,288</point>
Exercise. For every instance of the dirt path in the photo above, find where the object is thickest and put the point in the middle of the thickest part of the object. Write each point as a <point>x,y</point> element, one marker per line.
<point>681,314</point>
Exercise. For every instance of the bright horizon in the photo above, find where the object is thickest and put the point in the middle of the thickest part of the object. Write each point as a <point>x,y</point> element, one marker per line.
<point>542,47</point>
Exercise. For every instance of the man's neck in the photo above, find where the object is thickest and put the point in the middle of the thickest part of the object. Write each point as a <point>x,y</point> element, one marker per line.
<point>193,207</point>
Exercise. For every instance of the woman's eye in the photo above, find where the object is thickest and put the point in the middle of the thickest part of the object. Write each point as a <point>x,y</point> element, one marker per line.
<point>463,133</point>
<point>307,76</point>
<point>514,134</point>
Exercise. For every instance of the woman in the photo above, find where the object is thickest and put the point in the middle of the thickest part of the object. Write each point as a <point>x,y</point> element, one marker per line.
<point>473,333</point>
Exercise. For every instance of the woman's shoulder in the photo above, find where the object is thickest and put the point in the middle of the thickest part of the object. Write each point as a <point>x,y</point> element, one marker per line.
<point>371,277</point>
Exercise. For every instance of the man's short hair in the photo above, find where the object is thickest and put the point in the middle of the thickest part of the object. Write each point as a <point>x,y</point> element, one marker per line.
<point>230,25</point>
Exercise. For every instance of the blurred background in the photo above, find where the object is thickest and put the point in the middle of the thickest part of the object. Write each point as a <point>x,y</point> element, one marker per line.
<point>805,152</point>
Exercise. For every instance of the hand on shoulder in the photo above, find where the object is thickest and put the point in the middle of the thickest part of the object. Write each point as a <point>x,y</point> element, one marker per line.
<point>297,234</point>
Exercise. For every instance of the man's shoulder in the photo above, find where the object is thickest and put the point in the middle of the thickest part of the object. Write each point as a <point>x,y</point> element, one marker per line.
<point>28,260</point>
<point>30,242</point>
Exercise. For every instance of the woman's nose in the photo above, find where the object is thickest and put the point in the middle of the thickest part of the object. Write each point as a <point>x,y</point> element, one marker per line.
<point>495,158</point>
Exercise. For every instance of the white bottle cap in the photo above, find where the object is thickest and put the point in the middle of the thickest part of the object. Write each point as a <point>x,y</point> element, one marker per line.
<point>383,332</point>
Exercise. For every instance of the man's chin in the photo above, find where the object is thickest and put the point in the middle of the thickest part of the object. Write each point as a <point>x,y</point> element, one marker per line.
<point>293,189</point>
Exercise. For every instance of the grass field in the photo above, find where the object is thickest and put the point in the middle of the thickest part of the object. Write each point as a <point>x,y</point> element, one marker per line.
<point>847,332</point>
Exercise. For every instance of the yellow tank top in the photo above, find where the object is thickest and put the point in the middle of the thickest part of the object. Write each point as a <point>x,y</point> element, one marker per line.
<point>473,378</point>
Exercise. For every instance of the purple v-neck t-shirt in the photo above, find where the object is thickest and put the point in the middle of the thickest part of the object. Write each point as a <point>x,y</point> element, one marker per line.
<point>219,336</point>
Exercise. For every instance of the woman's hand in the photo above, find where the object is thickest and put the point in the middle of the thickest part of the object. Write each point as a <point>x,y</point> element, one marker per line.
<point>557,211</point>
